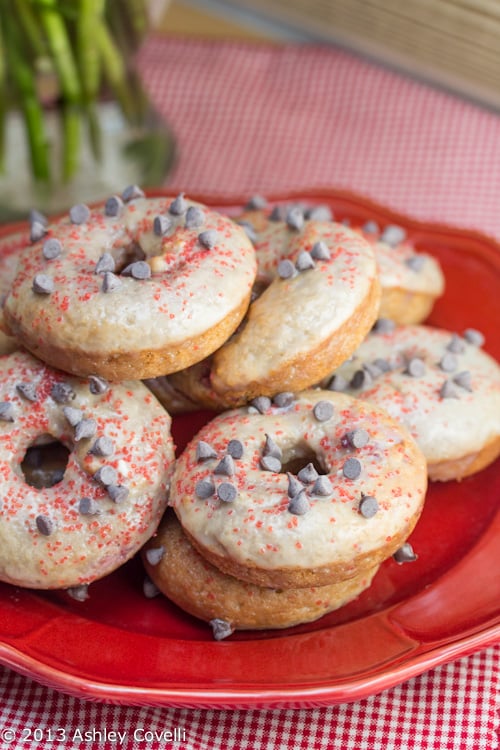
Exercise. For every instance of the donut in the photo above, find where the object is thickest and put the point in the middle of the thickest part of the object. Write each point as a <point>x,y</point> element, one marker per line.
<point>113,491</point>
<point>304,490</point>
<point>321,298</point>
<point>201,589</point>
<point>10,247</point>
<point>441,385</point>
<point>134,288</point>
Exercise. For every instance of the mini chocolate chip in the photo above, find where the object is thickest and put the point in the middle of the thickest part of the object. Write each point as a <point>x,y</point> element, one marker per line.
<point>139,270</point>
<point>105,263</point>
<point>149,589</point>
<point>415,367</point>
<point>178,205</point>
<point>294,486</point>
<point>277,214</point>
<point>6,411</point>
<point>261,403</point>
<point>195,217</point>
<point>155,554</point>
<point>270,463</point>
<point>384,325</point>
<point>52,248</point>
<point>110,282</point>
<point>27,391</point>
<point>86,428</point>
<point>357,438</point>
<point>221,628</point>
<point>43,284</point>
<point>323,411</point>
<point>226,492</point>
<point>249,230</point>
<point>448,390</point>
<point>162,225</point>
<point>405,554</point>
<point>38,230</point>
<point>393,235</point>
<point>368,506</point>
<point>360,379</point>
<point>352,468</point>
<point>474,337</point>
<point>284,399</point>
<point>63,393</point>
<point>97,385</point>
<point>337,383</point>
<point>103,446</point>
<point>449,362</point>
<point>415,262</point>
<point>225,466</point>
<point>208,238</point>
<point>371,227</point>
<point>256,203</point>
<point>44,524</point>
<point>322,486</point>
<point>204,451</point>
<point>73,416</point>
<point>299,504</point>
<point>304,261</point>
<point>113,206</point>
<point>106,475</point>
<point>383,364</point>
<point>319,213</point>
<point>117,492</point>
<point>88,507</point>
<point>35,215</point>
<point>295,218</point>
<point>131,192</point>
<point>456,344</point>
<point>79,214</point>
<point>464,380</point>
<point>235,448</point>
<point>271,448</point>
<point>320,251</point>
<point>204,488</point>
<point>79,593</point>
<point>308,474</point>
<point>286,269</point>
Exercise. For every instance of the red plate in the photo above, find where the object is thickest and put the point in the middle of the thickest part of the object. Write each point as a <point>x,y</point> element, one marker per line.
<point>120,647</point>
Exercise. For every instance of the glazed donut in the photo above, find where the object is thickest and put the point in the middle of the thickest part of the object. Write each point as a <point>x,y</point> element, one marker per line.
<point>114,489</point>
<point>201,589</point>
<point>10,247</point>
<point>131,289</point>
<point>305,490</point>
<point>440,385</point>
<point>321,299</point>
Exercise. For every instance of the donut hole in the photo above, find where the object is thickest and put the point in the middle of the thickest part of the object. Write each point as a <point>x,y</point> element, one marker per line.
<point>302,456</point>
<point>124,256</point>
<point>45,462</point>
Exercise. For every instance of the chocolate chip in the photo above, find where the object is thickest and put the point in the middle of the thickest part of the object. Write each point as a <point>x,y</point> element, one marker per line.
<point>220,628</point>
<point>204,488</point>
<point>294,486</point>
<point>270,463</point>
<point>149,589</point>
<point>286,269</point>
<point>319,213</point>
<point>393,235</point>
<point>225,466</point>
<point>449,362</point>
<point>383,364</point>
<point>131,192</point>
<point>204,451</point>
<point>308,474</point>
<point>304,261</point>
<point>320,251</point>
<point>79,214</point>
<point>88,507</point>
<point>415,367</point>
<point>110,282</point>
<point>117,492</point>
<point>103,446</point>
<point>284,399</point>
<point>235,448</point>
<point>474,337</point>
<point>113,206</point>
<point>97,385</point>
<point>455,344</point>
<point>35,215</point>
<point>261,403</point>
<point>295,218</point>
<point>155,554</point>
<point>323,411</point>
<point>322,486</point>
<point>372,369</point>
<point>277,214</point>
<point>384,325</point>
<point>139,270</point>
<point>178,205</point>
<point>79,593</point>
<point>405,554</point>
<point>86,428</point>
<point>352,468</point>
<point>299,504</point>
<point>52,248</point>
<point>415,262</point>
<point>337,383</point>
<point>208,238</point>
<point>162,225</point>
<point>106,475</point>
<point>448,390</point>
<point>6,411</point>
<point>43,284</point>
<point>105,263</point>
<point>357,438</point>
<point>27,391</point>
<point>38,230</point>
<point>226,492</point>
<point>44,524</point>
<point>63,393</point>
<point>464,380</point>
<point>360,379</point>
<point>371,227</point>
<point>368,506</point>
<point>73,416</point>
<point>256,203</point>
<point>249,230</point>
<point>195,217</point>
<point>271,448</point>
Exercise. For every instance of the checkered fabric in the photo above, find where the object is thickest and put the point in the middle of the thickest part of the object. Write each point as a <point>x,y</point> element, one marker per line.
<point>260,119</point>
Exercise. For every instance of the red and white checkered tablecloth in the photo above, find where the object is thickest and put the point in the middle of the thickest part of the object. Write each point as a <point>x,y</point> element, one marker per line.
<point>261,118</point>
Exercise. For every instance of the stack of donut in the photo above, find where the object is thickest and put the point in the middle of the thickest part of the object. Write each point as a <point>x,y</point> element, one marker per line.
<point>313,472</point>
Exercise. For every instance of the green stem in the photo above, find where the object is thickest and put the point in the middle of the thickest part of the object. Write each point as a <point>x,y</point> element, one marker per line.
<point>30,25</point>
<point>115,70</point>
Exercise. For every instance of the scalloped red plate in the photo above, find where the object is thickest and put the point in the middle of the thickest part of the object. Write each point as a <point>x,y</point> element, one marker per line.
<point>120,647</point>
